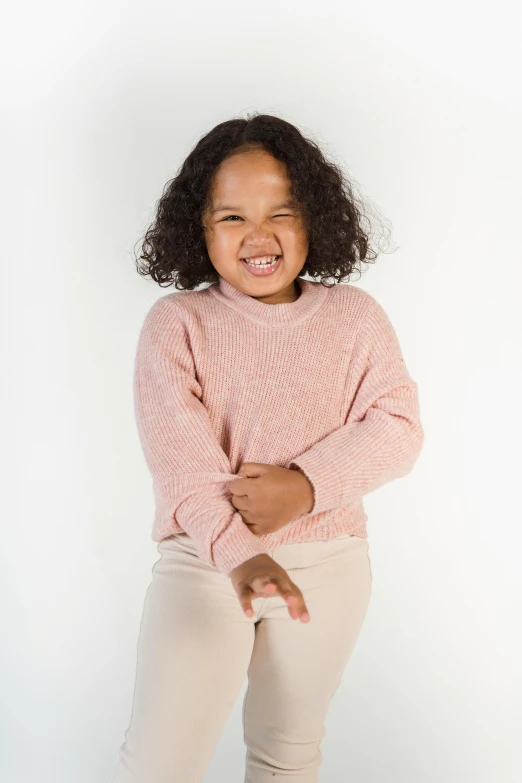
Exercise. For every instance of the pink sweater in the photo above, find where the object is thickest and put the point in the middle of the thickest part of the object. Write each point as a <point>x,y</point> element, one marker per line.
<point>319,384</point>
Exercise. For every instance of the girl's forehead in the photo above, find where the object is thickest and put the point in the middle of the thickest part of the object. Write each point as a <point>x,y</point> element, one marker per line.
<point>235,180</point>
<point>250,165</point>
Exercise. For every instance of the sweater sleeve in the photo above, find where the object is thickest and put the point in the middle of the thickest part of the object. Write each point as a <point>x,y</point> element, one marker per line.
<point>382,435</point>
<point>190,470</point>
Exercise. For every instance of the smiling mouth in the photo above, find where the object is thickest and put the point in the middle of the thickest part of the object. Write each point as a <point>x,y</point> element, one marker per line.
<point>260,262</point>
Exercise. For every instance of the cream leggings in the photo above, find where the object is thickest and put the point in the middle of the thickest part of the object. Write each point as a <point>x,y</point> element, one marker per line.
<point>196,645</point>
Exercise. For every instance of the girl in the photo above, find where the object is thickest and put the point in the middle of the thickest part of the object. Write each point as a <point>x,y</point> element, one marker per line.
<point>267,406</point>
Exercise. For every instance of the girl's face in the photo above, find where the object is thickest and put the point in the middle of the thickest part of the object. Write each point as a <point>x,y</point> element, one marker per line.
<point>251,214</point>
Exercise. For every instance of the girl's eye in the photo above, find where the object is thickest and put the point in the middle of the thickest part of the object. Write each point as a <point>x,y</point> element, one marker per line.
<point>235,216</point>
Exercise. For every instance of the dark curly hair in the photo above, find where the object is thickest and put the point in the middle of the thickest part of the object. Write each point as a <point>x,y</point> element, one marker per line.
<point>174,248</point>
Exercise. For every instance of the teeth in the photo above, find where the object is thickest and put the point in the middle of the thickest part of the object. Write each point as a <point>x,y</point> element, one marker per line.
<point>261,261</point>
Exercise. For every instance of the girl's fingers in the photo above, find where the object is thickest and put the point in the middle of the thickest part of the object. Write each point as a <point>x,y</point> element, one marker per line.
<point>261,585</point>
<point>295,601</point>
<point>246,594</point>
<point>245,600</point>
<point>290,593</point>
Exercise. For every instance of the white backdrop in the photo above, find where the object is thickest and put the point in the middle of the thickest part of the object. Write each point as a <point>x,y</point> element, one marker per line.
<point>422,106</point>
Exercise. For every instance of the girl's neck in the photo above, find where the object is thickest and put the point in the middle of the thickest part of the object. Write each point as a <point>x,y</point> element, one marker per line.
<point>311,296</point>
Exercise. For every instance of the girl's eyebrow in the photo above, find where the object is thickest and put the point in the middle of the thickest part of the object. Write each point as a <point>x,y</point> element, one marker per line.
<point>284,205</point>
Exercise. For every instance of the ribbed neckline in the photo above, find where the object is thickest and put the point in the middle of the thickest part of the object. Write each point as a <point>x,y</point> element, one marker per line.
<point>312,296</point>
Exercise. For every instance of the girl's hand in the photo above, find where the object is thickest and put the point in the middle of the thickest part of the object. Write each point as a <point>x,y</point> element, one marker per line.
<point>268,497</point>
<point>261,576</point>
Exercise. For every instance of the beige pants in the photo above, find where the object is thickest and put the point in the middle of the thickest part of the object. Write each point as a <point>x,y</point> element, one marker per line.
<point>196,645</point>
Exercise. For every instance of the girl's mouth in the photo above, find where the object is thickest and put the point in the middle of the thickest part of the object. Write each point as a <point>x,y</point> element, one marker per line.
<point>268,265</point>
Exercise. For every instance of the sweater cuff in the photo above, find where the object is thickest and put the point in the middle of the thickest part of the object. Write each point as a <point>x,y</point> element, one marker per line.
<point>235,545</point>
<point>327,492</point>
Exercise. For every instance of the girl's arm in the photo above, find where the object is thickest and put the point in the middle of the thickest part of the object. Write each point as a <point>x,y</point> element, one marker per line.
<point>190,470</point>
<point>382,436</point>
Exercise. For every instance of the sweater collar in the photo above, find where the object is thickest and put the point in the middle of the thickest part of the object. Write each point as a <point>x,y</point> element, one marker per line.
<point>312,296</point>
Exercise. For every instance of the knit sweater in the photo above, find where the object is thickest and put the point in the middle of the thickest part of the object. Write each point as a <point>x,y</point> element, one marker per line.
<point>318,384</point>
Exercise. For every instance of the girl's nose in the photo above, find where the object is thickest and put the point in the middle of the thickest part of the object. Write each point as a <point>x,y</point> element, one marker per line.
<point>260,235</point>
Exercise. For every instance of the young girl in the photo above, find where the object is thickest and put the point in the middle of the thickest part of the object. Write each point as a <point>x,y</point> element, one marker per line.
<point>267,406</point>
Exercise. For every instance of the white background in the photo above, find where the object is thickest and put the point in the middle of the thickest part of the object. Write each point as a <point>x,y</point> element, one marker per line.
<point>421,105</point>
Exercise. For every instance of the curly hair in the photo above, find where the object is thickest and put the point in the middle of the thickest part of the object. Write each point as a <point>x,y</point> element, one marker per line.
<point>174,250</point>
